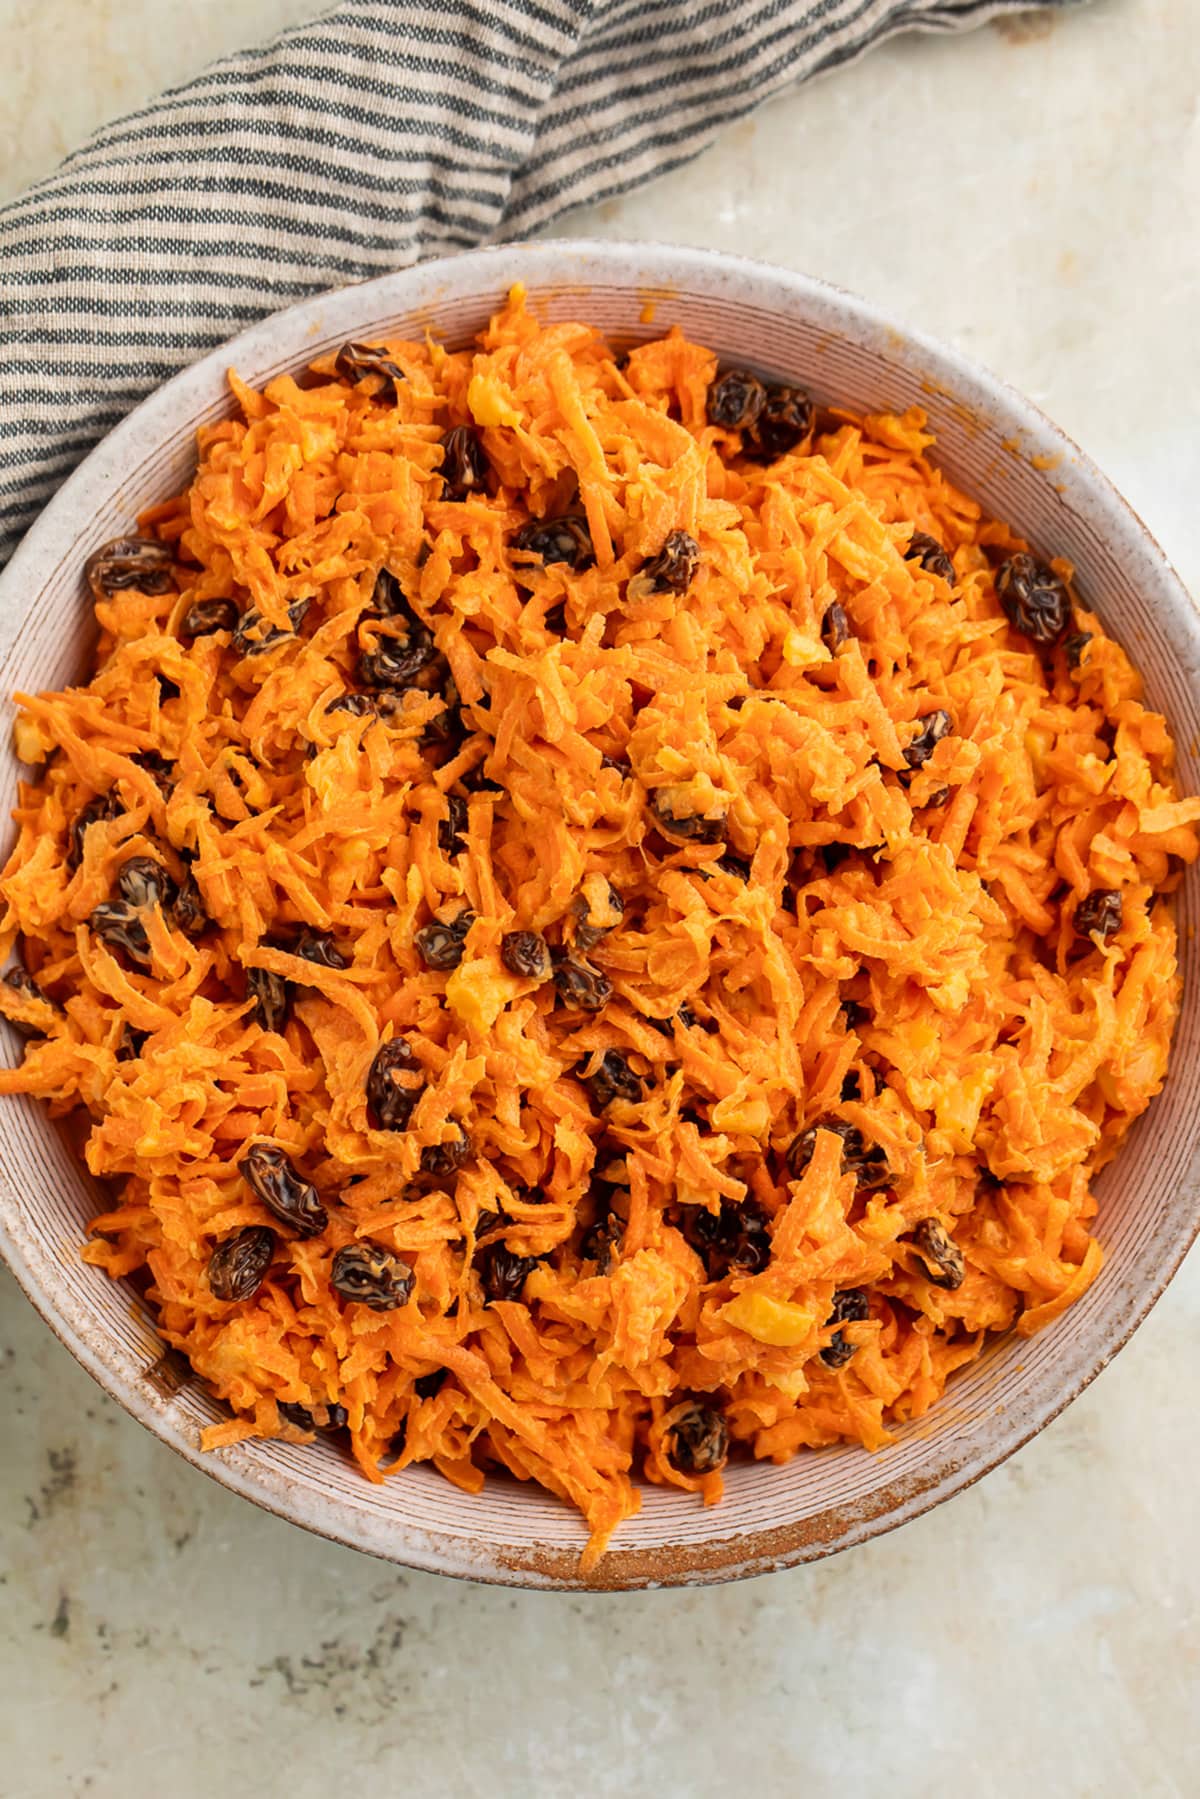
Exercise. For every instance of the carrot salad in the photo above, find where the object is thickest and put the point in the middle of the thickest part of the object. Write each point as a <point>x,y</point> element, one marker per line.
<point>597,917</point>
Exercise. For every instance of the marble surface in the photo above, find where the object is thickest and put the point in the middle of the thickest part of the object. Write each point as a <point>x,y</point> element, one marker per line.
<point>1031,193</point>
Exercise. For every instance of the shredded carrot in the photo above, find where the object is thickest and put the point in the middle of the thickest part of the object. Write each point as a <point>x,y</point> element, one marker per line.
<point>677,950</point>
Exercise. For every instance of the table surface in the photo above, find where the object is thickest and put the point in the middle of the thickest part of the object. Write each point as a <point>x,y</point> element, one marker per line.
<point>1030,193</point>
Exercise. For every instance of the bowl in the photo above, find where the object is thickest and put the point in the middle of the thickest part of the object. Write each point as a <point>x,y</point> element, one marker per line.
<point>1000,449</point>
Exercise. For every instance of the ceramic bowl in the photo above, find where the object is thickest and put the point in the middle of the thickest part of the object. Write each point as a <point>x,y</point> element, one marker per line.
<point>998,447</point>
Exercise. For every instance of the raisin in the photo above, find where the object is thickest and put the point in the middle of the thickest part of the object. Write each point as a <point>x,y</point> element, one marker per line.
<point>238,1265</point>
<point>187,907</point>
<point>1034,598</point>
<point>428,1386</point>
<point>699,1440</point>
<point>320,1417</point>
<point>692,827</point>
<point>464,464</point>
<point>503,1274</point>
<point>928,552</point>
<point>130,562</point>
<point>254,637</point>
<point>207,616</point>
<point>272,998</point>
<point>579,984</point>
<point>941,1255</point>
<point>144,882</point>
<point>161,772</point>
<point>23,983</point>
<point>441,945</point>
<point>273,1179</point>
<point>734,1237</point>
<point>450,836</point>
<point>394,1085</point>
<point>358,705</point>
<point>98,811</point>
<point>525,953</point>
<point>588,930</point>
<point>355,361</point>
<point>866,1161</point>
<point>737,866</point>
<point>387,596</point>
<point>620,763</point>
<point>443,1159</point>
<point>600,1242</point>
<point>856,1014</point>
<point>118,925</point>
<point>395,664</point>
<point>366,1274</point>
<point>850,1306</point>
<point>934,726</point>
<point>674,568</point>
<point>1100,914</point>
<point>785,420</point>
<point>735,400</point>
<point>614,1079</point>
<point>132,1044</point>
<point>318,948</point>
<point>567,539</point>
<point>1076,648</point>
<point>835,628</point>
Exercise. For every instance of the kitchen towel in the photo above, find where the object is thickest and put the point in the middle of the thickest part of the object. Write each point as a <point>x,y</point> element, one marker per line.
<point>381,132</point>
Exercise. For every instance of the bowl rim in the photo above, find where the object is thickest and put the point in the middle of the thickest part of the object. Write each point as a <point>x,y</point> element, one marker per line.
<point>540,266</point>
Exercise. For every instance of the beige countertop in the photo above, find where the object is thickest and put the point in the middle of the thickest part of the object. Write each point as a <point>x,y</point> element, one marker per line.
<point>1031,193</point>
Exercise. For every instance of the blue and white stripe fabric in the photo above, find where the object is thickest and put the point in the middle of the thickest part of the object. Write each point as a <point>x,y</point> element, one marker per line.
<point>380,133</point>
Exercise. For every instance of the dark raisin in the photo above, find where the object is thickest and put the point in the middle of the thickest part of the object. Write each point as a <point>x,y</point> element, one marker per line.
<point>238,1265</point>
<point>734,1237</point>
<point>938,797</point>
<point>428,1386</point>
<point>934,726</point>
<point>387,596</point>
<point>321,1417</point>
<point>850,1306</point>
<point>356,361</point>
<point>117,923</point>
<point>318,948</point>
<point>359,705</point>
<point>23,983</point>
<point>1100,914</point>
<point>503,1274</point>
<point>366,1274</point>
<point>589,930</point>
<point>600,1242</point>
<point>735,400</point>
<point>207,616</point>
<point>555,620</point>
<point>394,1085</point>
<point>856,1014</point>
<point>396,664</point>
<point>737,866</point>
<point>932,557</point>
<point>167,689</point>
<point>699,1440</point>
<point>161,772</point>
<point>941,1255</point>
<point>674,568</point>
<point>784,421</point>
<point>866,1161</point>
<point>852,1084</point>
<point>273,1179</point>
<point>835,628</point>
<point>130,562</point>
<point>464,464</point>
<point>614,1079</point>
<point>692,827</point>
<point>444,1159</point>
<point>254,637</point>
<point>1076,648</point>
<point>525,953</point>
<point>1034,598</point>
<point>580,985</point>
<point>451,834</point>
<point>132,1044</point>
<point>441,945</point>
<point>272,998</point>
<point>567,539</point>
<point>98,811</point>
<point>144,882</point>
<point>620,763</point>
<point>187,907</point>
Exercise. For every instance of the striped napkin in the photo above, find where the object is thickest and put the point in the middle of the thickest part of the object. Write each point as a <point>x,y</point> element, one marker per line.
<point>382,132</point>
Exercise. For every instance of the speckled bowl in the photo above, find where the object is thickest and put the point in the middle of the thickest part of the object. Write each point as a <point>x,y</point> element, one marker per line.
<point>1021,467</point>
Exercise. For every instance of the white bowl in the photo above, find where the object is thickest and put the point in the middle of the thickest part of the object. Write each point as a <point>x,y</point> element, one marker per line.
<point>842,350</point>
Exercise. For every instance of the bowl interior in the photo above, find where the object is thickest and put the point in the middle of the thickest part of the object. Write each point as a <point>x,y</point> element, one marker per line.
<point>784,326</point>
